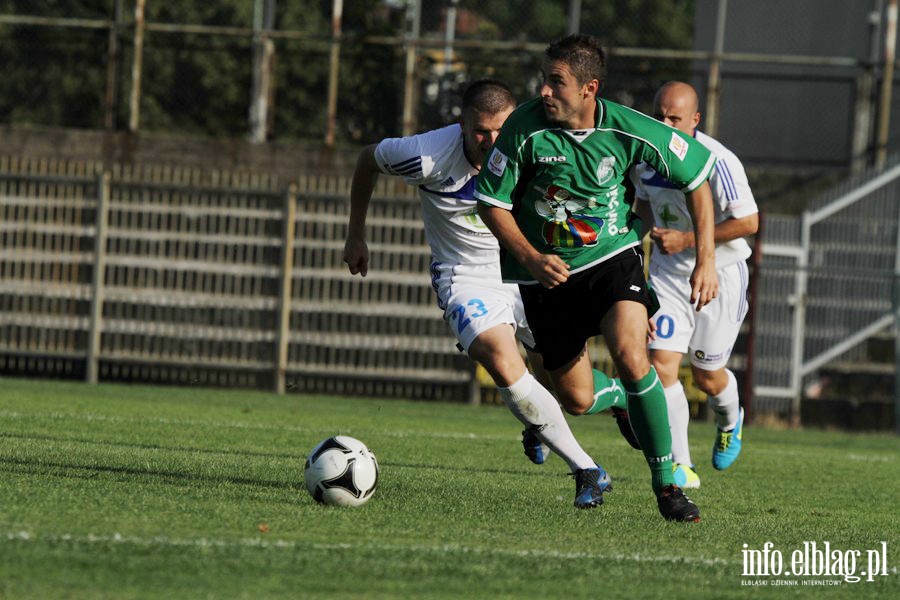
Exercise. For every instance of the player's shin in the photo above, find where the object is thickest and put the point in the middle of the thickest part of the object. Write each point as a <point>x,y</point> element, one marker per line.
<point>726,404</point>
<point>679,416</point>
<point>533,405</point>
<point>650,421</point>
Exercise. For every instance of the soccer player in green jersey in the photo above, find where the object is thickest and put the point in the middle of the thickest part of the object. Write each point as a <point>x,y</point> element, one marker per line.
<point>557,195</point>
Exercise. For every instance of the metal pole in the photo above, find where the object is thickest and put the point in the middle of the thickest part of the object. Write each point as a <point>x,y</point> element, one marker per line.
<point>112,67</point>
<point>263,49</point>
<point>134,117</point>
<point>449,35</point>
<point>333,72</point>
<point>752,293</point>
<point>283,335</point>
<point>414,18</point>
<point>799,325</point>
<point>98,280</point>
<point>897,330</point>
<point>864,111</point>
<point>714,82</point>
<point>887,83</point>
<point>573,22</point>
<point>862,119</point>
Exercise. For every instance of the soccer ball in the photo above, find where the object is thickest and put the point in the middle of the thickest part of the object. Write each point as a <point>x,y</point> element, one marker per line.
<point>341,471</point>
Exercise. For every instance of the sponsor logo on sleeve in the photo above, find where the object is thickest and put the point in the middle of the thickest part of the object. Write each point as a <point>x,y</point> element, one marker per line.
<point>678,146</point>
<point>497,162</point>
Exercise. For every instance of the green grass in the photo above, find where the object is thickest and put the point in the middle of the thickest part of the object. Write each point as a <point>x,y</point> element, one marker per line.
<point>139,492</point>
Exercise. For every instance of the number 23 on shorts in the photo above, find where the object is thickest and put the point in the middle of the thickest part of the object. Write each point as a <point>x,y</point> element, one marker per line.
<point>459,313</point>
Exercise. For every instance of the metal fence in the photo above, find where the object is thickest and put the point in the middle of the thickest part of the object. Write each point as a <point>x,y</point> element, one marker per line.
<point>180,276</point>
<point>827,283</point>
<point>176,276</point>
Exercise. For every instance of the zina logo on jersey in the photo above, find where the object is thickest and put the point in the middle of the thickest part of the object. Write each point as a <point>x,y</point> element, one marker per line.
<point>605,169</point>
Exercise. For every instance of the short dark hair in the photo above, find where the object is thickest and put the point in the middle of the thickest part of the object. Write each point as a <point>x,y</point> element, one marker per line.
<point>488,96</point>
<point>583,54</point>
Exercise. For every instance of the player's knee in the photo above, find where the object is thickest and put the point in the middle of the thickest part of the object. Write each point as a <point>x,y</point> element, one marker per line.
<point>504,369</point>
<point>710,382</point>
<point>574,401</point>
<point>575,406</point>
<point>632,364</point>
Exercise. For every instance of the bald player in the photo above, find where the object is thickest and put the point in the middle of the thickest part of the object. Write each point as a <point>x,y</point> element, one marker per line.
<point>709,335</point>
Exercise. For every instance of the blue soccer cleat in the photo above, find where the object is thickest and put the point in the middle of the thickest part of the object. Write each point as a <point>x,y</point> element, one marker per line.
<point>727,446</point>
<point>685,476</point>
<point>536,450</point>
<point>590,485</point>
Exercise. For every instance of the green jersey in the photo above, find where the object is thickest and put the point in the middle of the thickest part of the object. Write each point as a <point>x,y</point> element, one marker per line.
<point>570,190</point>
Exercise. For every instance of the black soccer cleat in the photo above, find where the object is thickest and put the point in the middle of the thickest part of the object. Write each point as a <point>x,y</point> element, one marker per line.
<point>675,506</point>
<point>590,485</point>
<point>625,429</point>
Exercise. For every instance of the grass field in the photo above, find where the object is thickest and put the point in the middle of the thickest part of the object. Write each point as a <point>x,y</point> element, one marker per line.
<point>141,492</point>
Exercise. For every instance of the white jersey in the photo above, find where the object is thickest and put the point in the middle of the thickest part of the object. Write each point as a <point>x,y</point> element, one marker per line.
<point>732,198</point>
<point>436,163</point>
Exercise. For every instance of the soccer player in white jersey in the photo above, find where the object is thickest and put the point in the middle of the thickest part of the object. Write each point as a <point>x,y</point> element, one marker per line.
<point>485,314</point>
<point>709,335</point>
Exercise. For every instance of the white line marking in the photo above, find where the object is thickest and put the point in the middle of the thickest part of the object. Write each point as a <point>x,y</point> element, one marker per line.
<point>116,538</point>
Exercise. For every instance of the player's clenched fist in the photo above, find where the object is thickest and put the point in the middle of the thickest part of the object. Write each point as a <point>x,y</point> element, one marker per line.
<point>549,269</point>
<point>356,255</point>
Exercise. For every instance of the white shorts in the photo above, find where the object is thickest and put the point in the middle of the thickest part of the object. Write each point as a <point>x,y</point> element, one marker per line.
<point>475,299</point>
<point>709,334</point>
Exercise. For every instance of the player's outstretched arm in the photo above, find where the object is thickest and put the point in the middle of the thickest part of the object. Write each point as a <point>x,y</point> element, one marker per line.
<point>356,251</point>
<point>548,269</point>
<point>704,281</point>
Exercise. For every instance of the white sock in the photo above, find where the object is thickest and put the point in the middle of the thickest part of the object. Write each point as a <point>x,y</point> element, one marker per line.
<point>532,404</point>
<point>726,404</point>
<point>679,415</point>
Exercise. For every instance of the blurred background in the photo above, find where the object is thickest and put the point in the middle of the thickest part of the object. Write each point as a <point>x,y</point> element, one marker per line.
<point>173,178</point>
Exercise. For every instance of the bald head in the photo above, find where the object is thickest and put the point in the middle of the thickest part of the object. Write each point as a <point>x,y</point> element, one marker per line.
<point>676,105</point>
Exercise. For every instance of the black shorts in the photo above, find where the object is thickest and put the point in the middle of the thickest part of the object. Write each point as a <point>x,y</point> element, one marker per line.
<point>563,318</point>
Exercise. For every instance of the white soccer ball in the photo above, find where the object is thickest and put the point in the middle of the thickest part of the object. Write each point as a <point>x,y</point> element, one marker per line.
<point>341,471</point>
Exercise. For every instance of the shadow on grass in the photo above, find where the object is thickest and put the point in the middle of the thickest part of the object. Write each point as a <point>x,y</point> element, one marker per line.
<point>38,466</point>
<point>77,471</point>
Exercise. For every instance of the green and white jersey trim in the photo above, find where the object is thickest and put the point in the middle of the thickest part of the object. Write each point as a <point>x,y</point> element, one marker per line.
<point>570,191</point>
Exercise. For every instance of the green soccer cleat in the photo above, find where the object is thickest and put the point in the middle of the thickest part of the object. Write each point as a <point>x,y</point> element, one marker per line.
<point>685,476</point>
<point>727,446</point>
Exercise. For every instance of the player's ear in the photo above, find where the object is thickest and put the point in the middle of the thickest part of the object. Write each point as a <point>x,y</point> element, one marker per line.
<point>591,88</point>
<point>695,120</point>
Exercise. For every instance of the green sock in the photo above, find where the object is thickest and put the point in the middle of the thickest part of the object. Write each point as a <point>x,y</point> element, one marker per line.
<point>608,393</point>
<point>650,421</point>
